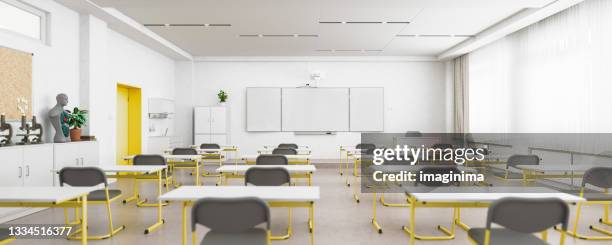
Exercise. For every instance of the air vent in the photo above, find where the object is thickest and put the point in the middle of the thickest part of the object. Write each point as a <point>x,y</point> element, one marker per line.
<point>364,22</point>
<point>188,25</point>
<point>278,35</point>
<point>429,35</point>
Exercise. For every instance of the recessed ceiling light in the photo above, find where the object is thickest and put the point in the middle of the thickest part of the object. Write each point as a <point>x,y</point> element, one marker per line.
<point>260,35</point>
<point>206,24</point>
<point>166,25</point>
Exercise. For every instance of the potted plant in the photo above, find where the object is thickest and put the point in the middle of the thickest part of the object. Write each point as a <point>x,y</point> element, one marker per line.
<point>222,97</point>
<point>76,120</point>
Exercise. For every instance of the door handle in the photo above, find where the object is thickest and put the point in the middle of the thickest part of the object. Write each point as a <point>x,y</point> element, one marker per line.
<point>27,170</point>
<point>20,171</point>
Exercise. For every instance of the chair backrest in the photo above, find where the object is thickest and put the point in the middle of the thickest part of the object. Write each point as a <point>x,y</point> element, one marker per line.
<point>230,215</point>
<point>82,176</point>
<point>284,151</point>
<point>288,145</point>
<point>442,146</point>
<point>366,148</point>
<point>210,146</point>
<point>523,160</point>
<point>149,160</point>
<point>528,215</point>
<point>267,176</point>
<point>598,176</point>
<point>432,171</point>
<point>413,134</point>
<point>271,159</point>
<point>184,151</point>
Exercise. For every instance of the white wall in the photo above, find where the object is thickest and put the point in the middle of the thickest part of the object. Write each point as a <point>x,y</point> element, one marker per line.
<point>415,96</point>
<point>55,66</point>
<point>85,59</point>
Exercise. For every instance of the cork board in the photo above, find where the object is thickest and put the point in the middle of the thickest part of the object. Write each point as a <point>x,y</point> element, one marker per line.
<point>15,82</point>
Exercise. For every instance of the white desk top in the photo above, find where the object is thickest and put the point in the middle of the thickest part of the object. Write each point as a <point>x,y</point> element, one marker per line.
<point>171,157</point>
<point>489,194</point>
<point>556,168</point>
<point>241,169</point>
<point>132,168</point>
<point>223,148</point>
<point>43,194</point>
<point>290,157</point>
<point>267,193</point>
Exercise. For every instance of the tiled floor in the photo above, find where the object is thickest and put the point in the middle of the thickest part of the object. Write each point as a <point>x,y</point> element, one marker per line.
<point>338,219</point>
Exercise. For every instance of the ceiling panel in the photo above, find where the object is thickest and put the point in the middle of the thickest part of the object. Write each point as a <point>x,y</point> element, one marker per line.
<point>288,17</point>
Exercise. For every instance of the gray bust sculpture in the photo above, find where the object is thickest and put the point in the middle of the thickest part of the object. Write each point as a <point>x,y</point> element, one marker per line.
<point>59,119</point>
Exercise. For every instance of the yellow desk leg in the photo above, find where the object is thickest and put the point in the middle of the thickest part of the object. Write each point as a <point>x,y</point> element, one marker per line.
<point>374,220</point>
<point>197,174</point>
<point>84,220</point>
<point>412,220</point>
<point>309,179</point>
<point>311,222</point>
<point>160,220</point>
<point>185,204</point>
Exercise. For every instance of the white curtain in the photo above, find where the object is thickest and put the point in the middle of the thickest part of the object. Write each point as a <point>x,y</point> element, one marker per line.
<point>553,76</point>
<point>461,94</point>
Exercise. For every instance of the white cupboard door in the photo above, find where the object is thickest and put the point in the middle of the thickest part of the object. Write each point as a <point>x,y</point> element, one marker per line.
<point>201,120</point>
<point>12,173</point>
<point>220,139</point>
<point>38,165</point>
<point>89,153</point>
<point>201,139</point>
<point>66,155</point>
<point>218,120</point>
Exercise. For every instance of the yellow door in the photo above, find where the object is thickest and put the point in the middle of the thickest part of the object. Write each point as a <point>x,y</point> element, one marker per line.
<point>122,123</point>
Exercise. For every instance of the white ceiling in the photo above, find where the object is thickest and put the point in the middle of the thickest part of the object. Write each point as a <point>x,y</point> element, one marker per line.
<point>435,25</point>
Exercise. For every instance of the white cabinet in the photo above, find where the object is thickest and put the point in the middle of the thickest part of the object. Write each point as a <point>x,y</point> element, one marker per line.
<point>12,166</point>
<point>29,165</point>
<point>82,153</point>
<point>210,125</point>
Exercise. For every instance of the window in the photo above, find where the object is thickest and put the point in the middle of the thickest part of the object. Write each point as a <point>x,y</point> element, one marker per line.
<point>18,17</point>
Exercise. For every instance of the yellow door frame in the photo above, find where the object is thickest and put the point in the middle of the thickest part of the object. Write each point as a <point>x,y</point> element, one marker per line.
<point>134,130</point>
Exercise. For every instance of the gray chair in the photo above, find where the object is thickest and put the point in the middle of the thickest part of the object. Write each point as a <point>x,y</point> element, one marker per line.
<point>210,146</point>
<point>167,178</point>
<point>232,221</point>
<point>91,176</point>
<point>288,145</point>
<point>271,159</point>
<point>284,151</point>
<point>366,148</point>
<point>5,236</point>
<point>413,134</point>
<point>512,162</point>
<point>277,176</point>
<point>600,177</point>
<point>260,176</point>
<point>190,165</point>
<point>520,217</point>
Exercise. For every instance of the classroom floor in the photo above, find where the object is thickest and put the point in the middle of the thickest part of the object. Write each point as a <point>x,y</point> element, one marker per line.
<point>338,219</point>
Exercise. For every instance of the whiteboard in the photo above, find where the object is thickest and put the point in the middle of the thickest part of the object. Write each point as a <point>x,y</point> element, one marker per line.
<point>367,109</point>
<point>263,109</point>
<point>315,109</point>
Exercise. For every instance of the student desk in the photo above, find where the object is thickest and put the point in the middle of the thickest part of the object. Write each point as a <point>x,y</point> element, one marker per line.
<point>275,196</point>
<point>296,171</point>
<point>469,197</point>
<point>171,162</point>
<point>49,197</point>
<point>397,168</point>
<point>302,150</point>
<point>293,159</point>
<point>345,152</point>
<point>533,172</point>
<point>135,171</point>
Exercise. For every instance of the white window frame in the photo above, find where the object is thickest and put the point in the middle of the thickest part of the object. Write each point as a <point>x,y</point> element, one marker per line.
<point>43,15</point>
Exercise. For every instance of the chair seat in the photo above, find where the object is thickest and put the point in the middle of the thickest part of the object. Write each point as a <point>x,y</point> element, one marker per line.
<point>4,234</point>
<point>500,236</point>
<point>254,236</point>
<point>100,195</point>
<point>594,196</point>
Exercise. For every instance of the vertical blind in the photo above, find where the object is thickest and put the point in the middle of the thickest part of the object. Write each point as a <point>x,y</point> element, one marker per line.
<point>552,76</point>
